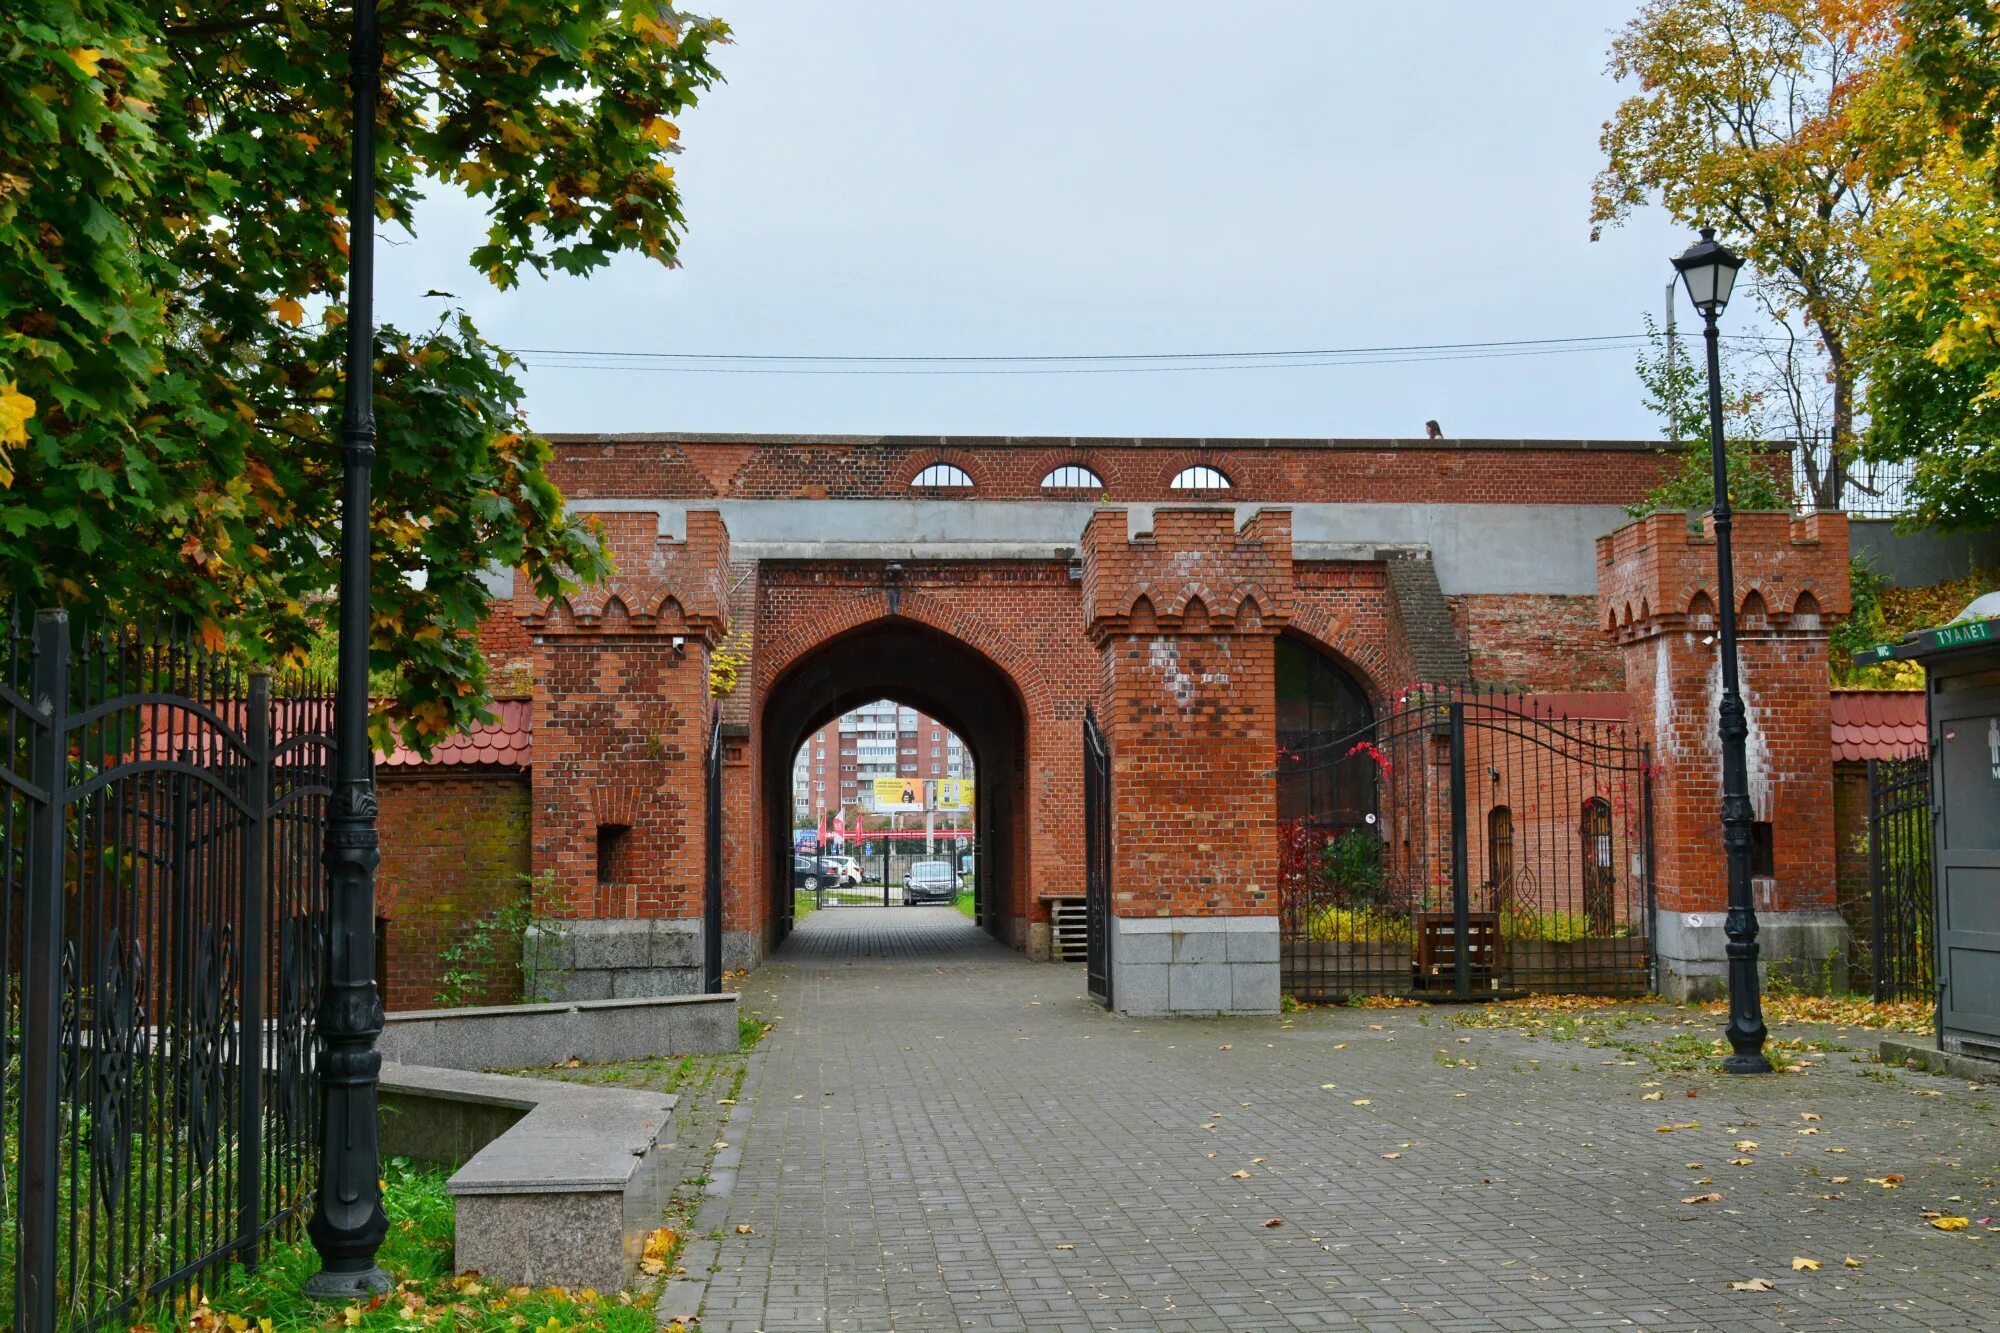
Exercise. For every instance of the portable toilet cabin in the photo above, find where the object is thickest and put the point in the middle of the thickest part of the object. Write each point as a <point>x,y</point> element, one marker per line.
<point>1961,664</point>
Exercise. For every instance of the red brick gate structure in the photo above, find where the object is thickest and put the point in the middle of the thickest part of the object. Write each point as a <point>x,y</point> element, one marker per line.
<point>1003,585</point>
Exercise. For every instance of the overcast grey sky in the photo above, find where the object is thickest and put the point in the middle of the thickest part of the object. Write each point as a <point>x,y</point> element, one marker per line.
<point>901,177</point>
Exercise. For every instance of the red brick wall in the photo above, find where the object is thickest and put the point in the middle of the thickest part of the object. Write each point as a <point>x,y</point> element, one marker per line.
<point>1401,471</point>
<point>1022,616</point>
<point>622,720</point>
<point>1534,642</point>
<point>1186,619</point>
<point>1655,579</point>
<point>454,850</point>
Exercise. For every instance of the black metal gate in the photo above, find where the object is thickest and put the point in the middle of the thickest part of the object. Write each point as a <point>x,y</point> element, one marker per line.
<point>1097,858</point>
<point>711,885</point>
<point>162,953</point>
<point>1466,845</point>
<point>1901,903</point>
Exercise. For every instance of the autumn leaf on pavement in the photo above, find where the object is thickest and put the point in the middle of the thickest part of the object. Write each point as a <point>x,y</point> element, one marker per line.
<point>1801,1264</point>
<point>1710,1197</point>
<point>1951,1223</point>
<point>1754,1284</point>
<point>1274,1221</point>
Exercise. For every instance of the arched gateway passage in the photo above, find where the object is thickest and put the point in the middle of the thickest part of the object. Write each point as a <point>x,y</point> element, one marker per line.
<point>928,670</point>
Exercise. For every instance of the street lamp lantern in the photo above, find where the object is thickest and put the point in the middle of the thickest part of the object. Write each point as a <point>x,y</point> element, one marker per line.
<point>1708,268</point>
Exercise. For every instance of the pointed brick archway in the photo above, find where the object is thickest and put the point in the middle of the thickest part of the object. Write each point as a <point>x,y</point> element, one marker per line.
<point>915,664</point>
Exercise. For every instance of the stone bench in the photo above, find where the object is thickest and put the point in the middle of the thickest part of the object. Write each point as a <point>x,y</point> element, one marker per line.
<point>558,1184</point>
<point>534,1036</point>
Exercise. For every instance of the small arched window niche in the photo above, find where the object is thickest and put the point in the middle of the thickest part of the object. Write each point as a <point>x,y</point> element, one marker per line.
<point>942,476</point>
<point>1072,477</point>
<point>1200,477</point>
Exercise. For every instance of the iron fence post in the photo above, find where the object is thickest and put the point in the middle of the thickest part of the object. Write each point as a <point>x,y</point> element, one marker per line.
<point>41,985</point>
<point>1646,860</point>
<point>1461,904</point>
<point>1875,879</point>
<point>250,1028</point>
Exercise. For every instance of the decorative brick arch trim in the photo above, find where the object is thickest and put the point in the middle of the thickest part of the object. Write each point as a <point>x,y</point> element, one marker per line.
<point>1251,478</point>
<point>800,638</point>
<point>968,463</point>
<point>1367,660</point>
<point>1044,463</point>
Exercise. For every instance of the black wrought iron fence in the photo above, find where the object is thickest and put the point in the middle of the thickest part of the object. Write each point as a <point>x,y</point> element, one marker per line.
<point>1464,845</point>
<point>162,936</point>
<point>1902,906</point>
<point>1822,479</point>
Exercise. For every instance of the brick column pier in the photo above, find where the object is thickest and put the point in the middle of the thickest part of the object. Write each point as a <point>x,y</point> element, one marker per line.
<point>1185,616</point>
<point>1657,598</point>
<point>621,732</point>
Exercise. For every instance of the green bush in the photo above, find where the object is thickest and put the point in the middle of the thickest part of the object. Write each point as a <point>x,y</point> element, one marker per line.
<point>1331,923</point>
<point>1552,927</point>
<point>1351,865</point>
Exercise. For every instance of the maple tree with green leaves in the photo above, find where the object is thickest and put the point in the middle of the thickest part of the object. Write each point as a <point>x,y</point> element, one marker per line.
<point>172,267</point>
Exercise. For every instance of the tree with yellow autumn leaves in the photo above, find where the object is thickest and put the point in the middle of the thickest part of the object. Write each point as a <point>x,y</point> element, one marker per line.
<point>172,260</point>
<point>1822,140</point>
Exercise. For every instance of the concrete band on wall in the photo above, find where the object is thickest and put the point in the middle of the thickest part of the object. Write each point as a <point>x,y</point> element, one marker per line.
<point>1479,548</point>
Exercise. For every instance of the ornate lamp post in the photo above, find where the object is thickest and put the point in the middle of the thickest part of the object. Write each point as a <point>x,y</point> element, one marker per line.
<point>1709,271</point>
<point>347,1223</point>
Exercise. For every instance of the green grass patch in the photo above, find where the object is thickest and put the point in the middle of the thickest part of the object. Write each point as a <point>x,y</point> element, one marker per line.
<point>803,905</point>
<point>417,1253</point>
<point>964,904</point>
<point>749,1031</point>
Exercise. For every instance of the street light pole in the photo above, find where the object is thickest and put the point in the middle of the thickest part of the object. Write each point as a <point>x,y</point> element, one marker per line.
<point>1709,269</point>
<point>347,1223</point>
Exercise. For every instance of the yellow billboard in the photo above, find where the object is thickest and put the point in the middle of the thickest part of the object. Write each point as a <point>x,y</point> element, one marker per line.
<point>908,795</point>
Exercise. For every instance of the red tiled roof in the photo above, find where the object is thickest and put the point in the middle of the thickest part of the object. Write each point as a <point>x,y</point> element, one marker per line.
<point>1877,724</point>
<point>507,743</point>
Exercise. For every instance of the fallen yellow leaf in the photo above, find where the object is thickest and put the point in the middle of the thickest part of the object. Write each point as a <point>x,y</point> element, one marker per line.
<point>1950,1223</point>
<point>1851,1261</point>
<point>1800,1264</point>
<point>1754,1284</point>
<point>1239,1175</point>
<point>1703,1198</point>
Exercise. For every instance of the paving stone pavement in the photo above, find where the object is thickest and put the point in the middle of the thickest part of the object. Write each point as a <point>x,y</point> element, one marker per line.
<point>940,1135</point>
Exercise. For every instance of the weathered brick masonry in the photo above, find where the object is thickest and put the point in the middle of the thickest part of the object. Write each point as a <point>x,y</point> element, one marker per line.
<point>1658,598</point>
<point>455,857</point>
<point>813,569</point>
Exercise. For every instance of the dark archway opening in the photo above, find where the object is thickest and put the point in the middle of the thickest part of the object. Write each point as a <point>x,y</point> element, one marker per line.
<point>1322,712</point>
<point>936,674</point>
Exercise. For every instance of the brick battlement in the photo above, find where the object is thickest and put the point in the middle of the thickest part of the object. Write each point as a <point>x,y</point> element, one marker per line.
<point>661,586</point>
<point>1195,570</point>
<point>1656,575</point>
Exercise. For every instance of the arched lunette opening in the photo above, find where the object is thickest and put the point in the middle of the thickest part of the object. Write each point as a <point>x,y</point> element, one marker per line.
<point>930,671</point>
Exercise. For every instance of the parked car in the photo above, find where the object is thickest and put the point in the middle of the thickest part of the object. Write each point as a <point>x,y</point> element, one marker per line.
<point>844,869</point>
<point>808,875</point>
<point>930,882</point>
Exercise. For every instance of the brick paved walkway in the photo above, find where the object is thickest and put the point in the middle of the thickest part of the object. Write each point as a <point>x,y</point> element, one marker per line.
<point>964,1141</point>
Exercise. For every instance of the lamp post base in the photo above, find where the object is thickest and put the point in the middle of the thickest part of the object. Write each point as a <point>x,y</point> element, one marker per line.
<point>1752,1063</point>
<point>327,1285</point>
